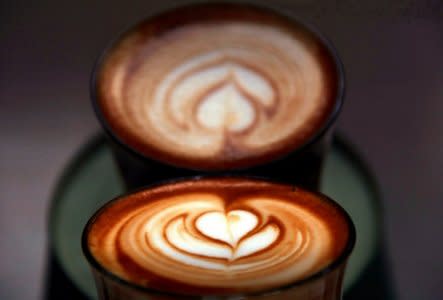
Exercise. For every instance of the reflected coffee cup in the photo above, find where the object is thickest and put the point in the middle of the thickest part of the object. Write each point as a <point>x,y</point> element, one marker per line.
<point>216,88</point>
<point>219,238</point>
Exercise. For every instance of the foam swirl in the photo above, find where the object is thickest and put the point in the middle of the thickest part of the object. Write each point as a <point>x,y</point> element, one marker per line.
<point>214,241</point>
<point>217,92</point>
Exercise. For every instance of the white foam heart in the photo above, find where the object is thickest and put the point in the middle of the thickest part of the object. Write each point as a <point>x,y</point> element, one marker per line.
<point>229,228</point>
<point>233,87</point>
<point>216,227</point>
<point>226,107</point>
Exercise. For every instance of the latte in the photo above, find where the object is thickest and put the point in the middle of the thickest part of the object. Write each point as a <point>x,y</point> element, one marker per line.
<point>218,236</point>
<point>217,86</point>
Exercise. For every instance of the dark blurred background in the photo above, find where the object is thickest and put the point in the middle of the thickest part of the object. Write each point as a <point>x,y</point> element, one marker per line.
<point>393,55</point>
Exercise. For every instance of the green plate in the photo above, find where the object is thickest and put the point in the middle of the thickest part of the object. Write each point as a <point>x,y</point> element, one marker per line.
<point>91,179</point>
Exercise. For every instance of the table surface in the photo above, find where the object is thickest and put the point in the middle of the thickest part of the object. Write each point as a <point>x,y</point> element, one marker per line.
<point>394,65</point>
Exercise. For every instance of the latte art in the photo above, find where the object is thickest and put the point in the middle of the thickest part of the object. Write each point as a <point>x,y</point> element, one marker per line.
<point>230,228</point>
<point>217,92</point>
<point>221,96</point>
<point>218,236</point>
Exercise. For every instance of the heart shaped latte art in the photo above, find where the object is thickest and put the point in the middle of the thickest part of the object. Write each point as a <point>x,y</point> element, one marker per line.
<point>229,229</point>
<point>215,93</point>
<point>223,237</point>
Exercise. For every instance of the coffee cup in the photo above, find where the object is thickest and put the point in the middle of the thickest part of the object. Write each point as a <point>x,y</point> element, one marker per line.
<point>219,88</point>
<point>219,238</point>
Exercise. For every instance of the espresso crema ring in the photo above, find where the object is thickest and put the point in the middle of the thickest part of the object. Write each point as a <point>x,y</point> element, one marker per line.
<point>217,93</point>
<point>218,236</point>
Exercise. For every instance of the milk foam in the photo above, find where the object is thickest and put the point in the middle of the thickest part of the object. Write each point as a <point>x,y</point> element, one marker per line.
<point>213,240</point>
<point>216,92</point>
<point>224,92</point>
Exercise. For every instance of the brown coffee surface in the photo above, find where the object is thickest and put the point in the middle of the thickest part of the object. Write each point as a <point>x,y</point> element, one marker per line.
<point>218,236</point>
<point>216,86</point>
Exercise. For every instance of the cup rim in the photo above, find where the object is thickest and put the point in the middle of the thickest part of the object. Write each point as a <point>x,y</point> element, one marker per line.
<point>273,10</point>
<point>331,267</point>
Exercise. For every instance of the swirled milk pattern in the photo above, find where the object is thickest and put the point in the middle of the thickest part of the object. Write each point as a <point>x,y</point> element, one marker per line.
<point>214,241</point>
<point>219,92</point>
